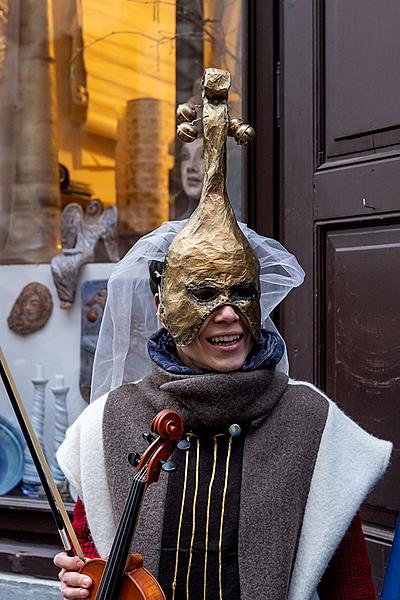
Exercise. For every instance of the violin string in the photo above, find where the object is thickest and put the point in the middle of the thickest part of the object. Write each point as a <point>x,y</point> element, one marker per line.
<point>135,496</point>
<point>136,490</point>
<point>118,557</point>
<point>120,548</point>
<point>121,539</point>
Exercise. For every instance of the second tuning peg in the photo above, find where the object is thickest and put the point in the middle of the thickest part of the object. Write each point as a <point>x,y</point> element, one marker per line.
<point>184,445</point>
<point>149,437</point>
<point>169,466</point>
<point>134,458</point>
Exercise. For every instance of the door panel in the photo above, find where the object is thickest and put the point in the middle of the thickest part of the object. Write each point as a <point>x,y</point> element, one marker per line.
<point>356,189</point>
<point>362,334</point>
<point>362,46</point>
<point>340,201</point>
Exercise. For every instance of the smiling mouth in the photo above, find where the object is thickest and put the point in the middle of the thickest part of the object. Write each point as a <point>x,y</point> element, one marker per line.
<point>225,340</point>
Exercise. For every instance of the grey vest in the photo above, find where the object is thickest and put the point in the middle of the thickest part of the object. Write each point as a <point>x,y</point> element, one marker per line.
<point>286,424</point>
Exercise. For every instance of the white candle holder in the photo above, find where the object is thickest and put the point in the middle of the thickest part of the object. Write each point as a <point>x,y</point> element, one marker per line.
<point>60,391</point>
<point>30,479</point>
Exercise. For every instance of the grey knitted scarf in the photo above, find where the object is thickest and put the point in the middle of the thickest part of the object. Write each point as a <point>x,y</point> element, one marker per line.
<point>285,427</point>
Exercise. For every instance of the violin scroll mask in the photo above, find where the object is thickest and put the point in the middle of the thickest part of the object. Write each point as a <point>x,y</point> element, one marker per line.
<point>210,262</point>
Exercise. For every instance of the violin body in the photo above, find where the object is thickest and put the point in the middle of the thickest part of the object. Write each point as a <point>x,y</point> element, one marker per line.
<point>137,582</point>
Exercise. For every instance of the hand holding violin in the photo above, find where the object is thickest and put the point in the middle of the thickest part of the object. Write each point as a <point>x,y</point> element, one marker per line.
<point>73,584</point>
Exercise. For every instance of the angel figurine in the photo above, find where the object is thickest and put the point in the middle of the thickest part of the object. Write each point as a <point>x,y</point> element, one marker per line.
<point>81,230</point>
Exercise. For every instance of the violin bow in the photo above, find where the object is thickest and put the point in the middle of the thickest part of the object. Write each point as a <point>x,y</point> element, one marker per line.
<point>57,507</point>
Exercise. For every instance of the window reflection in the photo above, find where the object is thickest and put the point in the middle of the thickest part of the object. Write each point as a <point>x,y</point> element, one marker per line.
<point>96,87</point>
<point>88,94</point>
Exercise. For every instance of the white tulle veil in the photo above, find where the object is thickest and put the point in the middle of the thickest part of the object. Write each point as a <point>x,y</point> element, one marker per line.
<point>130,316</point>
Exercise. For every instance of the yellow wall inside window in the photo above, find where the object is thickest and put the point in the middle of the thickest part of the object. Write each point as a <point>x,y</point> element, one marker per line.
<point>129,53</point>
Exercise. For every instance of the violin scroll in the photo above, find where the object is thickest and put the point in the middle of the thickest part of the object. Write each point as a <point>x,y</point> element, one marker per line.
<point>168,427</point>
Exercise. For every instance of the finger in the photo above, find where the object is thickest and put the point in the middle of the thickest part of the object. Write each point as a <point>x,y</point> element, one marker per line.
<point>75,580</point>
<point>69,563</point>
<point>69,593</point>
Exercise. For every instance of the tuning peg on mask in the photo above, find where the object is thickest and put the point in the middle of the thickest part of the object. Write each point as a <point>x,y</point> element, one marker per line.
<point>243,133</point>
<point>148,437</point>
<point>184,445</point>
<point>186,113</point>
<point>169,466</point>
<point>134,458</point>
<point>234,125</point>
<point>187,132</point>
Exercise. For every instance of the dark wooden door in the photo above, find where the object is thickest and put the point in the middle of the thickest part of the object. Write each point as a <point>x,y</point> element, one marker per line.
<point>340,199</point>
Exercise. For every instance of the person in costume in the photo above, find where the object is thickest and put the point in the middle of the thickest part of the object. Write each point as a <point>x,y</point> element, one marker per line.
<point>265,504</point>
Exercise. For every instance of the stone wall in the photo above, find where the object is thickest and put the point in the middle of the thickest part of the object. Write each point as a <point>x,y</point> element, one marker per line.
<point>19,587</point>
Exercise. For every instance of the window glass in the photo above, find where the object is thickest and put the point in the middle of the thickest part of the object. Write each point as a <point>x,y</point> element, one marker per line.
<point>89,162</point>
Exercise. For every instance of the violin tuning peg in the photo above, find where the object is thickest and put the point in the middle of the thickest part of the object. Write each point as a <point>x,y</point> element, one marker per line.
<point>184,445</point>
<point>148,437</point>
<point>169,466</point>
<point>134,458</point>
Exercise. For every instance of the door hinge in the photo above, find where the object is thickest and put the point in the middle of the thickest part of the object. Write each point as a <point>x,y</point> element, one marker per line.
<point>278,93</point>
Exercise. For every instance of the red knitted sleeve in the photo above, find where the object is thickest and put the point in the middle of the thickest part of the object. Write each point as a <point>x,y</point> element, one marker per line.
<point>82,531</point>
<point>348,576</point>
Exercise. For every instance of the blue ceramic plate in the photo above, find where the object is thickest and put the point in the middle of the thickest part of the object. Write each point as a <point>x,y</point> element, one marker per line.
<point>11,456</point>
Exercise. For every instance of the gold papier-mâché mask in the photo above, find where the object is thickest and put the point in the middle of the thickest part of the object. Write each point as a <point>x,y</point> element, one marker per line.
<point>210,262</point>
<point>206,276</point>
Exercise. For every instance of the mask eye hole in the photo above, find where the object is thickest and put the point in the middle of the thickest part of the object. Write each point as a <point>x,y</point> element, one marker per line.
<point>243,291</point>
<point>203,293</point>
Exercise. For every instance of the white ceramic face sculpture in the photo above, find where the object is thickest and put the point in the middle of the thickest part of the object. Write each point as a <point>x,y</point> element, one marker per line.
<point>192,168</point>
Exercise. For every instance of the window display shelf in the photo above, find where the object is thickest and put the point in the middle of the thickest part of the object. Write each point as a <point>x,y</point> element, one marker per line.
<point>28,537</point>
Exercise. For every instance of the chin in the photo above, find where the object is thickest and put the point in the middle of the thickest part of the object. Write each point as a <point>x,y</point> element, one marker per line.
<point>226,366</point>
<point>226,369</point>
<point>193,193</point>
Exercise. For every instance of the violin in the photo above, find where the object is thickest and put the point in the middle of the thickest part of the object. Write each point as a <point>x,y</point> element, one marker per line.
<point>122,576</point>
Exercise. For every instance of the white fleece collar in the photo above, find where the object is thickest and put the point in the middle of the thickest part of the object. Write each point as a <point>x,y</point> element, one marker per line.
<point>349,463</point>
<point>81,458</point>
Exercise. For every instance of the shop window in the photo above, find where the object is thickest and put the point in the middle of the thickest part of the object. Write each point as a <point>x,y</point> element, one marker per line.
<point>88,96</point>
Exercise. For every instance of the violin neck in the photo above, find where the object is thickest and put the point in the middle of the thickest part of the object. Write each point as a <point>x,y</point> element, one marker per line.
<point>112,576</point>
